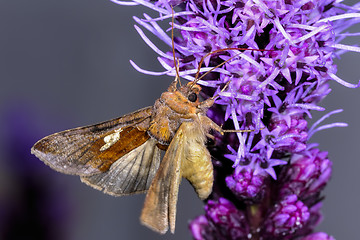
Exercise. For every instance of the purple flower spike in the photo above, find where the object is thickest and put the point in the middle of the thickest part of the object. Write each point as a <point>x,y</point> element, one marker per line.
<point>287,217</point>
<point>271,175</point>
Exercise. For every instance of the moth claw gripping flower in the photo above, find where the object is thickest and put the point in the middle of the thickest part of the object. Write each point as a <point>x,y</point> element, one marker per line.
<point>268,183</point>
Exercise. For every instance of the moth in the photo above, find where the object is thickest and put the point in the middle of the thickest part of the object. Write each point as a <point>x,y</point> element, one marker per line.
<point>122,156</point>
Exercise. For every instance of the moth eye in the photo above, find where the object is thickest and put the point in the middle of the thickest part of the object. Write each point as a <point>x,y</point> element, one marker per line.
<point>192,97</point>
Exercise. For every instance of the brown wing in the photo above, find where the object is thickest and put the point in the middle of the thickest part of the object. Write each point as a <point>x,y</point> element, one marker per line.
<point>131,174</point>
<point>84,151</point>
<point>160,203</point>
<point>186,157</point>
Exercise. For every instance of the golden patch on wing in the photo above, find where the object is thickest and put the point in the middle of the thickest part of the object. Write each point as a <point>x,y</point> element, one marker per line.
<point>130,139</point>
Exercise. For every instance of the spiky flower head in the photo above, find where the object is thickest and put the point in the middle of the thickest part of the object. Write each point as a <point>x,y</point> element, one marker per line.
<point>277,70</point>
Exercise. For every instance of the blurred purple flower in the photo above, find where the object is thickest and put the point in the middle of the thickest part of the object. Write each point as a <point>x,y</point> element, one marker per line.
<point>274,176</point>
<point>32,206</point>
<point>318,236</point>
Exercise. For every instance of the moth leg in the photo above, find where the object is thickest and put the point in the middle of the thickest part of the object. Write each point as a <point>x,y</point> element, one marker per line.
<point>210,101</point>
<point>206,122</point>
<point>206,104</point>
<point>208,135</point>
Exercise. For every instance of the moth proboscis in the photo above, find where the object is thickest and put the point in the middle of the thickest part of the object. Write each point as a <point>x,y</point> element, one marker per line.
<point>122,156</point>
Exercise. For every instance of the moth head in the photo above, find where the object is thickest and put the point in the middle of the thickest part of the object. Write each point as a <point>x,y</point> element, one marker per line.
<point>191,91</point>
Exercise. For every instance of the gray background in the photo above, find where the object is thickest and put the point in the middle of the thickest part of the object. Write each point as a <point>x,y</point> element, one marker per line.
<point>66,63</point>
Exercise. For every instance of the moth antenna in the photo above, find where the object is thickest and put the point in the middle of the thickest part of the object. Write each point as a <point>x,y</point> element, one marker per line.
<point>177,78</point>
<point>173,85</point>
<point>197,78</point>
<point>177,71</point>
<point>223,89</point>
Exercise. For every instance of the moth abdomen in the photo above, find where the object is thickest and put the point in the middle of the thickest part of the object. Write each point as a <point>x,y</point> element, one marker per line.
<point>196,166</point>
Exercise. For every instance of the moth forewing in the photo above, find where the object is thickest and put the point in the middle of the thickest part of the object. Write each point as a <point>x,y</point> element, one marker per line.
<point>78,151</point>
<point>188,157</point>
<point>159,209</point>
